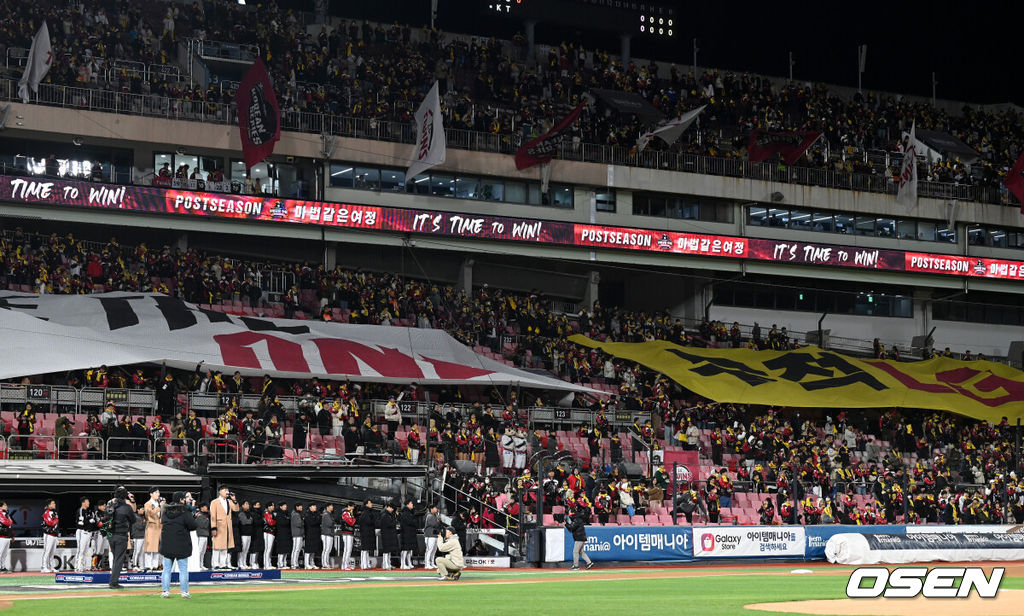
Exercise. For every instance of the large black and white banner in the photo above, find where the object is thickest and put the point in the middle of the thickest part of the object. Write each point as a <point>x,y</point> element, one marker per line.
<point>864,549</point>
<point>56,333</point>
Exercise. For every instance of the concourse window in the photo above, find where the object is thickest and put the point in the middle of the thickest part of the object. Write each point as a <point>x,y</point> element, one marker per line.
<point>864,225</point>
<point>778,218</point>
<point>604,201</point>
<point>467,188</point>
<point>800,220</point>
<point>491,190</point>
<point>906,229</point>
<point>515,192</point>
<point>823,221</point>
<point>886,227</point>
<point>560,196</point>
<point>367,178</point>
<point>442,186</point>
<point>392,181</point>
<point>844,223</point>
<point>342,176</point>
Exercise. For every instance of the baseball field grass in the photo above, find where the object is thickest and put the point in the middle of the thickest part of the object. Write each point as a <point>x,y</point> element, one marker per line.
<point>712,591</point>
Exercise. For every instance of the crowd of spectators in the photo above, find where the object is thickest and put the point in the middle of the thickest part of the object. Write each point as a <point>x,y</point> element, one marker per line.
<point>367,70</point>
<point>773,446</point>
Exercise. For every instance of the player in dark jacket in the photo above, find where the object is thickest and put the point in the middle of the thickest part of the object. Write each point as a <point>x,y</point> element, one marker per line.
<point>367,534</point>
<point>577,526</point>
<point>284,535</point>
<point>407,520</point>
<point>388,526</point>
<point>312,544</point>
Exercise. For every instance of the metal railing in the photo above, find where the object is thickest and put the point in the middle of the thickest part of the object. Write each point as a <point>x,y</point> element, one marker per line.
<point>224,50</point>
<point>67,448</point>
<point>127,448</point>
<point>223,450</point>
<point>57,398</point>
<point>402,132</point>
<point>31,448</point>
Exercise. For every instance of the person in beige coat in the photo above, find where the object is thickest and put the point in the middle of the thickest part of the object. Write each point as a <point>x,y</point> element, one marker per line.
<point>449,566</point>
<point>151,545</point>
<point>221,532</point>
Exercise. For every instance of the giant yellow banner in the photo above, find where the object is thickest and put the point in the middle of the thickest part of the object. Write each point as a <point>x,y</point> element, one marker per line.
<point>812,377</point>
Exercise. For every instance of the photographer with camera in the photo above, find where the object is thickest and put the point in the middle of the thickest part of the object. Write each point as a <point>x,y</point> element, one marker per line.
<point>449,566</point>
<point>175,541</point>
<point>221,531</point>
<point>117,523</point>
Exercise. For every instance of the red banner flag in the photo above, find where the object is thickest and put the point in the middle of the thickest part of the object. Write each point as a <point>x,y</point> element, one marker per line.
<point>542,149</point>
<point>259,118</point>
<point>765,144</point>
<point>1014,181</point>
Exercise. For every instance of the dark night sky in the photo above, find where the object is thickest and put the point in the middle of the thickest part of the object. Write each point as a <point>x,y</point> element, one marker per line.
<point>970,45</point>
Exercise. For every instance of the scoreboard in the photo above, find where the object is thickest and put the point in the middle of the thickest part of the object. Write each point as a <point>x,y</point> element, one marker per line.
<point>633,17</point>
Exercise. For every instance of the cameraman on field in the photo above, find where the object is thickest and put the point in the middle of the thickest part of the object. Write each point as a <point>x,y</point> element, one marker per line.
<point>449,566</point>
<point>120,515</point>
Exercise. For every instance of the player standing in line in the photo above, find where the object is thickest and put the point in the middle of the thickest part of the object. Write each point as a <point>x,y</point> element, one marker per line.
<point>51,530</point>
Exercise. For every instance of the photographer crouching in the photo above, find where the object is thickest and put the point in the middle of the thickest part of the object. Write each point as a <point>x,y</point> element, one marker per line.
<point>449,566</point>
<point>179,519</point>
<point>120,515</point>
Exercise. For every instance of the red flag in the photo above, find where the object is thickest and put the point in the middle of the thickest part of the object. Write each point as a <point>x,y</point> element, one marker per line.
<point>765,144</point>
<point>542,149</point>
<point>259,118</point>
<point>1014,181</point>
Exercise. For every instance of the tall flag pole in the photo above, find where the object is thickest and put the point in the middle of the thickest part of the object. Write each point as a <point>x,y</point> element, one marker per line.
<point>1014,181</point>
<point>670,131</point>
<point>907,193</point>
<point>40,57</point>
<point>431,144</point>
<point>259,117</point>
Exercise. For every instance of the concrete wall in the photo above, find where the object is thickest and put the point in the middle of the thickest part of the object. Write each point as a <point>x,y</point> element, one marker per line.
<point>992,340</point>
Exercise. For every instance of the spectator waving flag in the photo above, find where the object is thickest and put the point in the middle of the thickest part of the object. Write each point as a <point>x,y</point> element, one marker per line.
<point>907,194</point>
<point>1014,181</point>
<point>259,118</point>
<point>40,57</point>
<point>542,149</point>
<point>670,131</point>
<point>430,142</point>
<point>791,145</point>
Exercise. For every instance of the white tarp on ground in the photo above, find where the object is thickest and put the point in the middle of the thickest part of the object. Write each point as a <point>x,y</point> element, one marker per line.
<point>860,549</point>
<point>56,333</point>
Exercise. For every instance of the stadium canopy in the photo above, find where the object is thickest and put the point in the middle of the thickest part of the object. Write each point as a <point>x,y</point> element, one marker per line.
<point>628,102</point>
<point>50,476</point>
<point>811,377</point>
<point>58,333</point>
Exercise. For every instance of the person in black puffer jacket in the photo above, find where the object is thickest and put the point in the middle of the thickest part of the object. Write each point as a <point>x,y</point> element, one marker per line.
<point>388,526</point>
<point>410,529</point>
<point>175,541</point>
<point>577,525</point>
